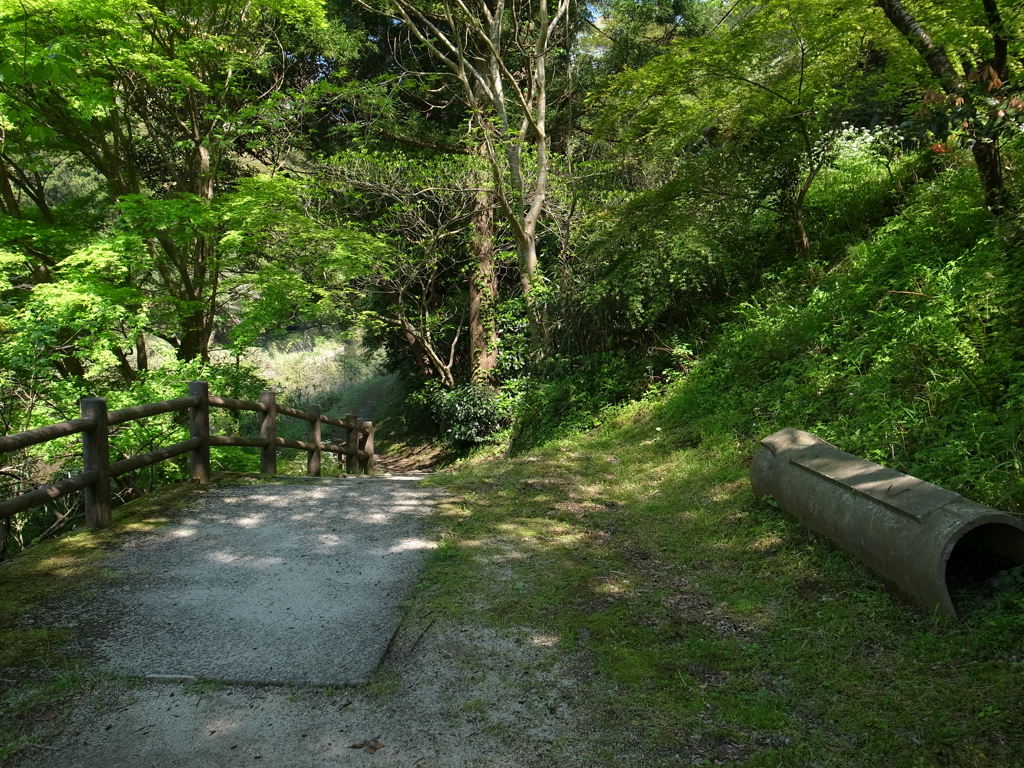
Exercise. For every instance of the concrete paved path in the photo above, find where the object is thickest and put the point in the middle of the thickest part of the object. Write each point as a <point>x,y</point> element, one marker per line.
<point>296,583</point>
<point>299,584</point>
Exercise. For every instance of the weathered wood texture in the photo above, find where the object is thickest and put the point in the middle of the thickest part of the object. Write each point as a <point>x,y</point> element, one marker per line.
<point>294,413</point>
<point>366,448</point>
<point>153,409</point>
<point>346,423</point>
<point>352,446</point>
<point>96,458</point>
<point>237,441</point>
<point>47,493</point>
<point>98,470</point>
<point>125,466</point>
<point>313,461</point>
<point>43,434</point>
<point>199,431</point>
<point>236,405</point>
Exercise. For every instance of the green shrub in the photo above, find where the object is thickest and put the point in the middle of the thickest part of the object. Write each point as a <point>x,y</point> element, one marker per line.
<point>570,393</point>
<point>468,415</point>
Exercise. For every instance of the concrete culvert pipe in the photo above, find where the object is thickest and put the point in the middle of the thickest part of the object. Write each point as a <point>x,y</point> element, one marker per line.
<point>919,537</point>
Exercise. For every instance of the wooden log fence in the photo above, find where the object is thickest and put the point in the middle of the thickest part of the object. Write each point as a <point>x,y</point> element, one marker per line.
<point>97,469</point>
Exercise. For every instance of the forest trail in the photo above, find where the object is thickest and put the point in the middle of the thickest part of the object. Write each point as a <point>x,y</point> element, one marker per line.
<point>280,600</point>
<point>401,459</point>
<point>296,583</point>
<point>367,408</point>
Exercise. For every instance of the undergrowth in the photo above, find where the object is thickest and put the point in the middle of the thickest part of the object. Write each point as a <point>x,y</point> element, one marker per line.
<point>720,632</point>
<point>729,634</point>
<point>906,352</point>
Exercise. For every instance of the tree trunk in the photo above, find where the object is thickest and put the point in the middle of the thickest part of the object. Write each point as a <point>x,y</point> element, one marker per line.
<point>990,170</point>
<point>801,240</point>
<point>483,287</point>
<point>984,149</point>
<point>195,339</point>
<point>7,198</point>
<point>442,369</point>
<point>141,353</point>
<point>124,366</point>
<point>5,536</point>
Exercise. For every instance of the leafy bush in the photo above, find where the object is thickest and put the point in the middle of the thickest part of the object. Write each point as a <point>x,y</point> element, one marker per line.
<point>469,414</point>
<point>571,393</point>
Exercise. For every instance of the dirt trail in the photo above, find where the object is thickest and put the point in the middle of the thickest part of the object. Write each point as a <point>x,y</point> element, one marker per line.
<point>367,408</point>
<point>403,459</point>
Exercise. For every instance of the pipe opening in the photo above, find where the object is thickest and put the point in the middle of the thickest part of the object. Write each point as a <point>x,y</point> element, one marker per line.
<point>977,565</point>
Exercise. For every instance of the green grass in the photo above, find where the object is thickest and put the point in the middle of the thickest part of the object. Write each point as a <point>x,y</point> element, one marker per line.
<point>720,630</point>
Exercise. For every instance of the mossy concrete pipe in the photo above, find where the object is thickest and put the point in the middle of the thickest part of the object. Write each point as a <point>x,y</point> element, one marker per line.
<point>917,536</point>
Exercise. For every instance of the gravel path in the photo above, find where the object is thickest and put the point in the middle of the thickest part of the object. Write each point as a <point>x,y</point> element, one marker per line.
<point>274,595</point>
<point>270,584</point>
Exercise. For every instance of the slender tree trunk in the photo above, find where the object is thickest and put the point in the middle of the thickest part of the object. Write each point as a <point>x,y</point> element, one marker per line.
<point>196,327</point>
<point>801,240</point>
<point>69,366</point>
<point>7,197</point>
<point>124,366</point>
<point>426,370</point>
<point>990,170</point>
<point>985,149</point>
<point>423,343</point>
<point>483,286</point>
<point>141,353</point>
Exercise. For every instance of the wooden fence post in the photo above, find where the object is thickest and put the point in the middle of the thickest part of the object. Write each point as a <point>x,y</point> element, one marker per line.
<point>352,443</point>
<point>96,457</point>
<point>268,430</point>
<point>199,427</point>
<point>366,465</point>
<point>313,462</point>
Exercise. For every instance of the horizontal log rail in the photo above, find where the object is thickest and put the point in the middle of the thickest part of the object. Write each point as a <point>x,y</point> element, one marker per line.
<point>236,405</point>
<point>98,470</point>
<point>125,466</point>
<point>260,442</point>
<point>153,409</point>
<point>47,493</point>
<point>32,437</point>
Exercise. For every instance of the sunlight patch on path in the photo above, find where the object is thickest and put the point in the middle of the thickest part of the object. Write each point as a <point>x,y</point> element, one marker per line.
<point>271,584</point>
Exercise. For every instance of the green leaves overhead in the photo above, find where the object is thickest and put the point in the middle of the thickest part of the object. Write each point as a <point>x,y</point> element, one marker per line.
<point>779,59</point>
<point>290,264</point>
<point>170,104</point>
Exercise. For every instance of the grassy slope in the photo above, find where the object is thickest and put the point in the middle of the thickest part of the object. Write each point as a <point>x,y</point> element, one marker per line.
<point>727,631</point>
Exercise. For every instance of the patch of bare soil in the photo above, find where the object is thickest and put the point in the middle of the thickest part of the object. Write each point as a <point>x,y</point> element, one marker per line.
<point>412,458</point>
